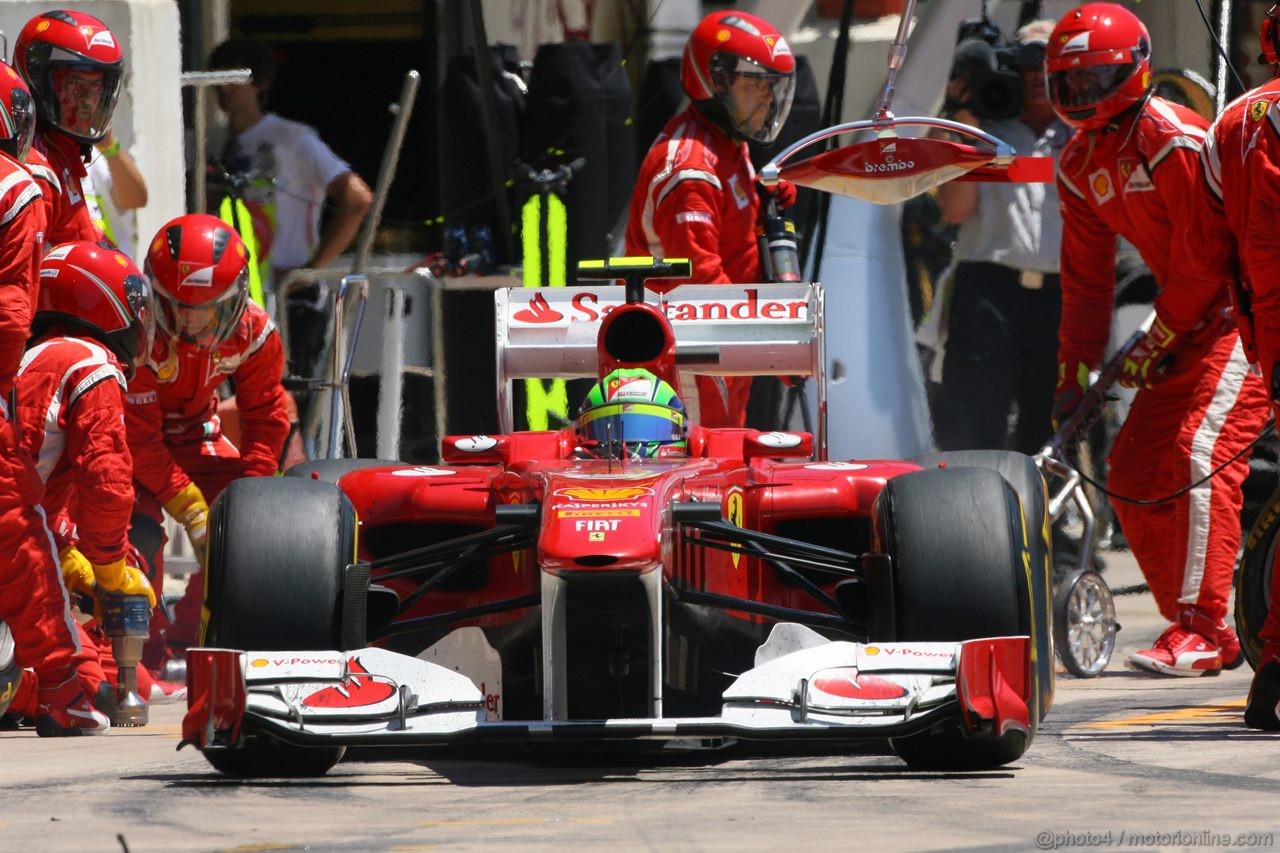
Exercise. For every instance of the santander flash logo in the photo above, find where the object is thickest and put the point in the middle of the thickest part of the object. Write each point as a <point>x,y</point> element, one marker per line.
<point>538,312</point>
<point>358,690</point>
<point>857,685</point>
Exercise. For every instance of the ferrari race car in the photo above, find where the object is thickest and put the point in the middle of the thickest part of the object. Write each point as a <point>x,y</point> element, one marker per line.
<point>530,592</point>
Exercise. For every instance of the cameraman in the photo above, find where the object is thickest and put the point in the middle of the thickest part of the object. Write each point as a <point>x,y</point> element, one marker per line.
<point>1002,329</point>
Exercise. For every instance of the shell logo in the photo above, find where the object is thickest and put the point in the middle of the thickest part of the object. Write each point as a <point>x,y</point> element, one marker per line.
<point>122,260</point>
<point>871,650</point>
<point>42,26</point>
<point>157,243</point>
<point>1101,185</point>
<point>258,662</point>
<point>723,35</point>
<point>619,494</point>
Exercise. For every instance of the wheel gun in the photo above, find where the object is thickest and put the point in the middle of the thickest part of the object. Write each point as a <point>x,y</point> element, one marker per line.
<point>126,620</point>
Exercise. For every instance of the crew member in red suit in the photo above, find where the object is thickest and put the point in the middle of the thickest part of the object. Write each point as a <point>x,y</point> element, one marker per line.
<point>74,66</point>
<point>1232,226</point>
<point>208,332</point>
<point>93,324</point>
<point>696,195</point>
<point>33,601</point>
<point>1130,169</point>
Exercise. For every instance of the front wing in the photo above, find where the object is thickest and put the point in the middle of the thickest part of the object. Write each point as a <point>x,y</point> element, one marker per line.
<point>832,691</point>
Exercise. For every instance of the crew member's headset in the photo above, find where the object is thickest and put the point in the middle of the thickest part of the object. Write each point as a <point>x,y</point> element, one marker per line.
<point>1270,37</point>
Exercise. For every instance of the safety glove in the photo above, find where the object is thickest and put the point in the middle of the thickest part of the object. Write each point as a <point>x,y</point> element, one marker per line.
<point>1147,358</point>
<point>77,571</point>
<point>783,194</point>
<point>189,509</point>
<point>119,576</point>
<point>1073,381</point>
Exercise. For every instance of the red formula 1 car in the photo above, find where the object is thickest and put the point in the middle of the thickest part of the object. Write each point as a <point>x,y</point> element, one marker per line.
<point>527,592</point>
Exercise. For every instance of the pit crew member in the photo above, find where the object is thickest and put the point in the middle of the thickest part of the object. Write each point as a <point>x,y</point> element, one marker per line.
<point>207,332</point>
<point>33,601</point>
<point>696,196</point>
<point>1129,170</point>
<point>74,67</point>
<point>1233,215</point>
<point>93,324</point>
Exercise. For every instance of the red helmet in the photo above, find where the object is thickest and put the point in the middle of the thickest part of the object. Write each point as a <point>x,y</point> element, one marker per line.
<point>199,268</point>
<point>1269,35</point>
<point>1099,64</point>
<point>74,66</point>
<point>17,114</point>
<point>739,70</point>
<point>97,290</point>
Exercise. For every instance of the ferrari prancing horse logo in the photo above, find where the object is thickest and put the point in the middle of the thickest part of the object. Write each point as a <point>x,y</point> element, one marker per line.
<point>733,510</point>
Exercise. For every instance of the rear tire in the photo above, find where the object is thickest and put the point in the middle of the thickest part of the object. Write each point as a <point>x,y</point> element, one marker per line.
<point>957,543</point>
<point>278,550</point>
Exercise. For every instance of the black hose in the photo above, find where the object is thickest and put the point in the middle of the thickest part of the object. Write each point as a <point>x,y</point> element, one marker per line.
<point>1268,430</point>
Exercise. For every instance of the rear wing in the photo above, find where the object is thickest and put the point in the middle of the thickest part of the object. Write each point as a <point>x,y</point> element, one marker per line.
<point>720,330</point>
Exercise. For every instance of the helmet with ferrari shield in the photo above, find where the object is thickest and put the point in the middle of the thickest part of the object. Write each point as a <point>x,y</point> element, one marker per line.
<point>74,67</point>
<point>200,270</point>
<point>739,70</point>
<point>1098,63</point>
<point>17,114</point>
<point>96,290</point>
<point>633,414</point>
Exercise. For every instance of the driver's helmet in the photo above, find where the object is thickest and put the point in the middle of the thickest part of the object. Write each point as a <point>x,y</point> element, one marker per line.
<point>635,414</point>
<point>740,72</point>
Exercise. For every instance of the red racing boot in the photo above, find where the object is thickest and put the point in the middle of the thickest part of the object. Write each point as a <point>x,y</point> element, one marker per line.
<point>1262,710</point>
<point>1189,647</point>
<point>65,710</point>
<point>1229,645</point>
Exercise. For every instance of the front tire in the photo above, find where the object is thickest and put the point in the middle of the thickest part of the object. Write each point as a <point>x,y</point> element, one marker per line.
<point>958,548</point>
<point>278,550</point>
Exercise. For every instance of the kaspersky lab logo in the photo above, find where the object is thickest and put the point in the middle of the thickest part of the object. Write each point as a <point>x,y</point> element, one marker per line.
<point>624,493</point>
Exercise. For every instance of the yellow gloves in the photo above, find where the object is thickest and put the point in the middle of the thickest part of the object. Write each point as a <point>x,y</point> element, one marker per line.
<point>80,575</point>
<point>1073,382</point>
<point>189,509</point>
<point>77,571</point>
<point>122,578</point>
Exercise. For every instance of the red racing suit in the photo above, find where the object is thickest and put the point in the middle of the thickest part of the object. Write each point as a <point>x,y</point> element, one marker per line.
<point>33,601</point>
<point>70,396</point>
<point>42,173</point>
<point>696,198</point>
<point>69,218</point>
<point>1135,180</point>
<point>1233,229</point>
<point>71,407</point>
<point>176,437</point>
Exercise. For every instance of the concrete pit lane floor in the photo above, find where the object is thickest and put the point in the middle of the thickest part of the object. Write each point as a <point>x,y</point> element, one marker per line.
<point>1126,760</point>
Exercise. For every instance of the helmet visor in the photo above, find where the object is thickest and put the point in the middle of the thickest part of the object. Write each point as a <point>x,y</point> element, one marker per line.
<point>18,125</point>
<point>134,343</point>
<point>756,100</point>
<point>1082,88</point>
<point>207,324</point>
<point>633,429</point>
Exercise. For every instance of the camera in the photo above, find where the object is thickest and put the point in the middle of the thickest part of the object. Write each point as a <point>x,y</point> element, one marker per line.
<point>989,68</point>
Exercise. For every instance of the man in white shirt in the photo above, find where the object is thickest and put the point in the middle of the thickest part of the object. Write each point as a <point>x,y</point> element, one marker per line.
<point>292,176</point>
